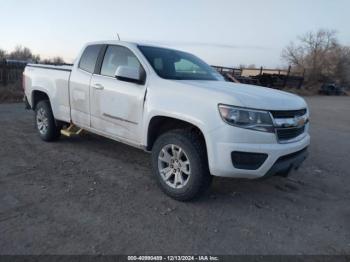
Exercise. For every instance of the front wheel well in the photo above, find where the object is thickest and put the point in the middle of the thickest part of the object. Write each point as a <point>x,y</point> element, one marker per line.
<point>162,124</point>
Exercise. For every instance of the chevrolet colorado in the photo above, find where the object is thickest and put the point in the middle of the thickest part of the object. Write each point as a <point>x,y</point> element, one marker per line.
<point>174,105</point>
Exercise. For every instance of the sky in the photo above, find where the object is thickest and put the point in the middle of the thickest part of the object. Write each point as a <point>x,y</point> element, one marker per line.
<point>222,32</point>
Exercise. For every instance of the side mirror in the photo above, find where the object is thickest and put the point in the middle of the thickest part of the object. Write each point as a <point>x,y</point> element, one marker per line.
<point>130,74</point>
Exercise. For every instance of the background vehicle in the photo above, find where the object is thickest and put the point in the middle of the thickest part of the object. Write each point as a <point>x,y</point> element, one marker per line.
<point>332,89</point>
<point>175,105</point>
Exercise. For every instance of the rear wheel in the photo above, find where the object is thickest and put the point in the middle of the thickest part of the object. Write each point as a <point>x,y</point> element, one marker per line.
<point>180,164</point>
<point>45,122</point>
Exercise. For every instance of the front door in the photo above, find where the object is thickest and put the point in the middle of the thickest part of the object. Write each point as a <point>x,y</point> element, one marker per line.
<point>116,105</point>
<point>79,85</point>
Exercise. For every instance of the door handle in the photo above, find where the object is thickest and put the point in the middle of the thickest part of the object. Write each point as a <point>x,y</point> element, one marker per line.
<point>98,86</point>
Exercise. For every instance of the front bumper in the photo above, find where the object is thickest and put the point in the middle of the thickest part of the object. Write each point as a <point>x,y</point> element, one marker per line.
<point>281,158</point>
<point>286,163</point>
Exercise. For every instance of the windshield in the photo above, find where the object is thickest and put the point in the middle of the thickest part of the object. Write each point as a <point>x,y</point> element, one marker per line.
<point>173,64</point>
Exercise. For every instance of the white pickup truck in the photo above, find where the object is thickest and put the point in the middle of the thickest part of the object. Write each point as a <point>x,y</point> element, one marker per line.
<point>174,105</point>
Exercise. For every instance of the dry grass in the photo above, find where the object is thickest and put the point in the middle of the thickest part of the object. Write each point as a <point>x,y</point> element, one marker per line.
<point>11,93</point>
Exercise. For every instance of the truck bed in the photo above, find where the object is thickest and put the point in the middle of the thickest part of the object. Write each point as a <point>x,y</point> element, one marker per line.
<point>53,67</point>
<point>53,81</point>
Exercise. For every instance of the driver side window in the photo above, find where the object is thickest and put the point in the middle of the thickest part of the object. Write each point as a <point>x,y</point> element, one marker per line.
<point>118,56</point>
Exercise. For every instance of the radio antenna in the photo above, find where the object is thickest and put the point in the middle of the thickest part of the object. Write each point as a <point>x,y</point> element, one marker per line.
<point>118,36</point>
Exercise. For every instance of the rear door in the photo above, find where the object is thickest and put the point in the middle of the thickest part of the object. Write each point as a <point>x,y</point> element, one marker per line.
<point>116,105</point>
<point>80,86</point>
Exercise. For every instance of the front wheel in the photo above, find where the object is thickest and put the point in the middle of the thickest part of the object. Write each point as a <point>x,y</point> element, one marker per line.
<point>45,122</point>
<point>180,164</point>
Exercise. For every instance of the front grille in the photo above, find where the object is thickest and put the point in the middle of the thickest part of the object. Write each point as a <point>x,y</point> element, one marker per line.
<point>288,125</point>
<point>289,133</point>
<point>288,114</point>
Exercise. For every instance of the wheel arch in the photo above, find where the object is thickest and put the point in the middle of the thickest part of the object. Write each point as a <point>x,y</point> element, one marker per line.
<point>37,96</point>
<point>161,124</point>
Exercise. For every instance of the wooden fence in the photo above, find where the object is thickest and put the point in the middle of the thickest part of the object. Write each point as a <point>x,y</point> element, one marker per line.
<point>274,78</point>
<point>11,72</point>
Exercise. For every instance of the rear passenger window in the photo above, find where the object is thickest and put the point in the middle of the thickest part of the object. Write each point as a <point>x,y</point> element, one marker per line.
<point>89,58</point>
<point>116,56</point>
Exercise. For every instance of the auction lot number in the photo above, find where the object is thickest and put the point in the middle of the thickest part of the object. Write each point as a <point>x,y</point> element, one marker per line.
<point>173,258</point>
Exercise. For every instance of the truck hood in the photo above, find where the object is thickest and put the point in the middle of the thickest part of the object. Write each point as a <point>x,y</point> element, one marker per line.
<point>249,95</point>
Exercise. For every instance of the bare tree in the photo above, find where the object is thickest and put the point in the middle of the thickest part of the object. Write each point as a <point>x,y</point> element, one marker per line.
<point>23,53</point>
<point>318,53</point>
<point>57,60</point>
<point>342,67</point>
<point>2,55</point>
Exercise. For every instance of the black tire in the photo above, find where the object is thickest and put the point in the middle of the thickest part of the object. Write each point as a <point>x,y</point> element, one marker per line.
<point>53,131</point>
<point>194,147</point>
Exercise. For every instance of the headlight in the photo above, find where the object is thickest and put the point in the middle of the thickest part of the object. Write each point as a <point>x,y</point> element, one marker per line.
<point>247,118</point>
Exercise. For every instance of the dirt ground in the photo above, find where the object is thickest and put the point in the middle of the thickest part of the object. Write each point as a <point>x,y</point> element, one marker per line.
<point>90,195</point>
